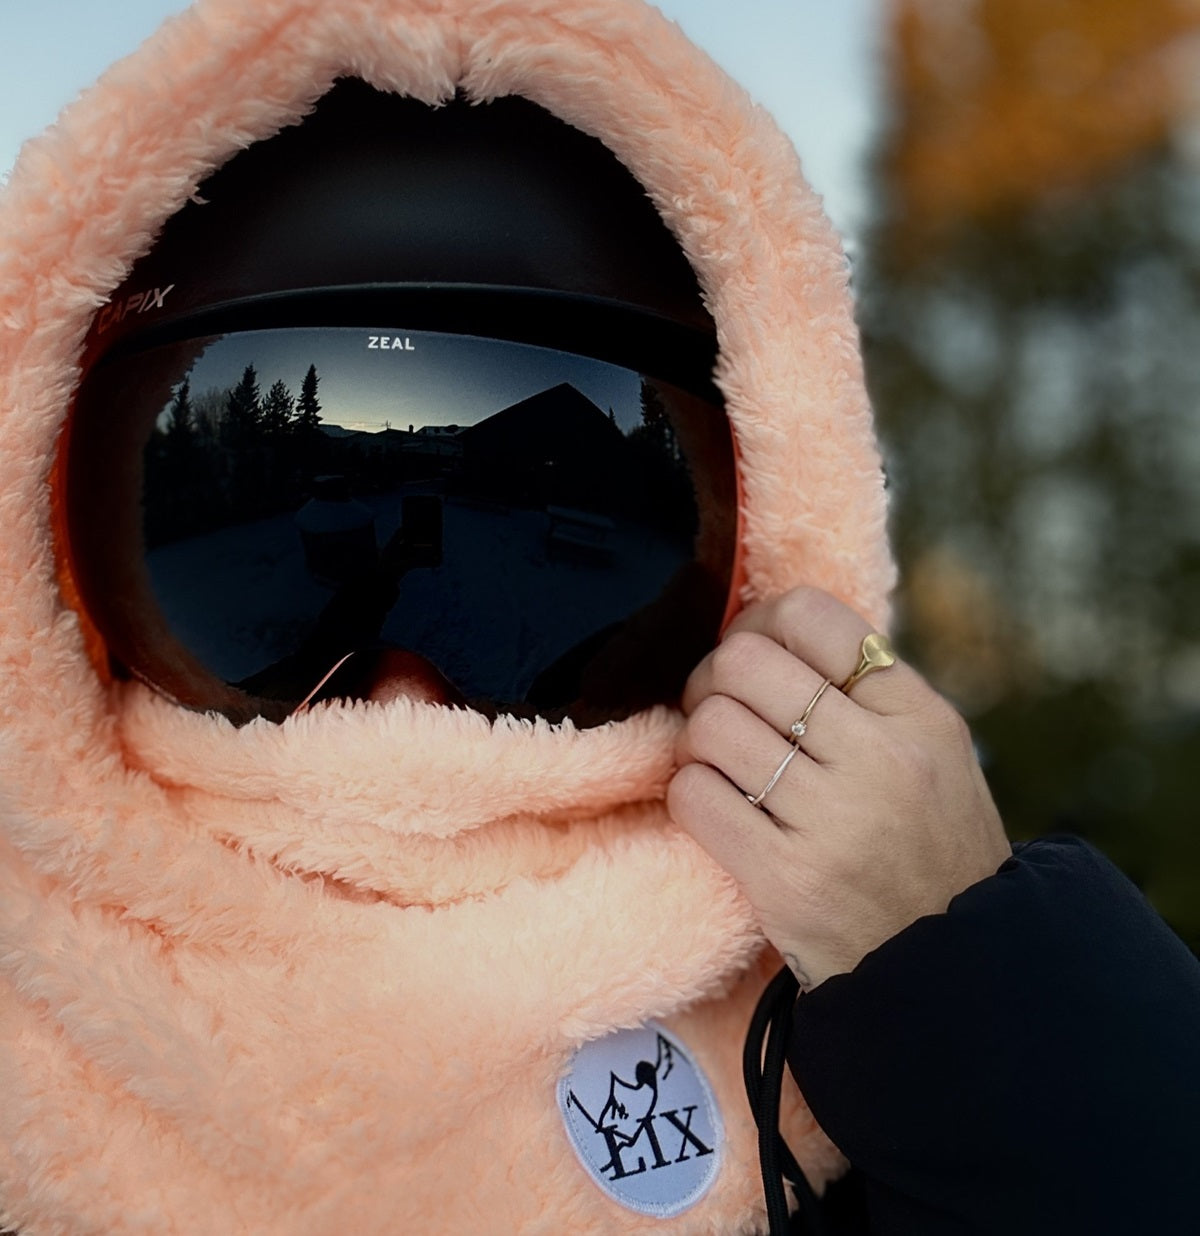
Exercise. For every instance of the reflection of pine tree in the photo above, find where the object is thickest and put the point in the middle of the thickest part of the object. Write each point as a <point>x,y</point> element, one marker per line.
<point>179,417</point>
<point>656,427</point>
<point>208,413</point>
<point>230,455</point>
<point>277,409</point>
<point>308,409</point>
<point>244,408</point>
<point>661,487</point>
<point>173,469</point>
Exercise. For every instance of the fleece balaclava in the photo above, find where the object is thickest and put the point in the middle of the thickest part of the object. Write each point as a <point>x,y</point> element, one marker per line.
<point>391,966</point>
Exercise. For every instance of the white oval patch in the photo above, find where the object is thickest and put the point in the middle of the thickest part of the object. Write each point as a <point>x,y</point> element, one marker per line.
<point>642,1119</point>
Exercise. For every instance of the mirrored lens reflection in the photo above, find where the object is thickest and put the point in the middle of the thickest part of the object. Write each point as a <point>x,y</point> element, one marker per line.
<point>496,508</point>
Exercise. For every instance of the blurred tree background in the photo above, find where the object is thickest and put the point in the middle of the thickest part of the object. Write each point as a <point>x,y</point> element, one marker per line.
<point>1030,301</point>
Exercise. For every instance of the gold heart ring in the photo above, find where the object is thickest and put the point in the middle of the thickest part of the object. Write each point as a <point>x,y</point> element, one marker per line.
<point>876,654</point>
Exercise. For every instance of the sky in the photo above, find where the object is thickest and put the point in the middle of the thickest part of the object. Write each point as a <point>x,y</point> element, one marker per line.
<point>810,62</point>
<point>409,380</point>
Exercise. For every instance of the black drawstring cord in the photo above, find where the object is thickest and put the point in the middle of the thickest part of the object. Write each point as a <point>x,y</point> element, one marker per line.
<point>763,1074</point>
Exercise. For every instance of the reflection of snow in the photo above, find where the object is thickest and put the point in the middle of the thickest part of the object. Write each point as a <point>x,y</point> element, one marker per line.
<point>491,617</point>
<point>239,598</point>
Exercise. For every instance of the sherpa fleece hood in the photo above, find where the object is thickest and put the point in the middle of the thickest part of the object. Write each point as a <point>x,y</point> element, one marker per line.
<point>392,968</point>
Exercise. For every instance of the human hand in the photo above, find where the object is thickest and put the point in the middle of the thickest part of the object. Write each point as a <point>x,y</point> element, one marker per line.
<point>883,815</point>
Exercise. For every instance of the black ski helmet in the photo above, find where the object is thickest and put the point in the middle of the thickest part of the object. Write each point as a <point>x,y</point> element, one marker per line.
<point>546,525</point>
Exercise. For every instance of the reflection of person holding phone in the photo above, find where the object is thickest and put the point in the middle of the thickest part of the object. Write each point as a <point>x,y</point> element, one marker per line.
<point>277,967</point>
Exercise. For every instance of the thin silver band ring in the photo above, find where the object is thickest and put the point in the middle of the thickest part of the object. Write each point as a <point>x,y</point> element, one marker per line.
<point>755,799</point>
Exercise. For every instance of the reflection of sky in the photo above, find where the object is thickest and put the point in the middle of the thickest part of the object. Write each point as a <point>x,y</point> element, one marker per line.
<point>442,380</point>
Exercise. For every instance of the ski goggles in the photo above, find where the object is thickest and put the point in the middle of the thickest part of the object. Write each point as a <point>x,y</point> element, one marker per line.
<point>257,519</point>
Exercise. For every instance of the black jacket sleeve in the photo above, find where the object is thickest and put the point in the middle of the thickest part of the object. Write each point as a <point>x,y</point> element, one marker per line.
<point>1027,1062</point>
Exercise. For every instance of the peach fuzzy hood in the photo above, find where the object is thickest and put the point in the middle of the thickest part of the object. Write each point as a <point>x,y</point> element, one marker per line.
<point>325,976</point>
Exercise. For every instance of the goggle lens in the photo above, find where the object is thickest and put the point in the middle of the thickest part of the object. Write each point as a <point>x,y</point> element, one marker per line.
<point>550,534</point>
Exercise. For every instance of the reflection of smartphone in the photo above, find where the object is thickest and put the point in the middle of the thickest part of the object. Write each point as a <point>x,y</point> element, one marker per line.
<point>421,515</point>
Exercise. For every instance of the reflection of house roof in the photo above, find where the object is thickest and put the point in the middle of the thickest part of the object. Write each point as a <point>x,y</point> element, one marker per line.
<point>440,444</point>
<point>561,418</point>
<point>377,439</point>
<point>560,413</point>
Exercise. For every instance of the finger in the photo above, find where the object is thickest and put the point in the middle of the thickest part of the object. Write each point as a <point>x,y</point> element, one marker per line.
<point>828,636</point>
<point>783,691</point>
<point>738,837</point>
<point>730,738</point>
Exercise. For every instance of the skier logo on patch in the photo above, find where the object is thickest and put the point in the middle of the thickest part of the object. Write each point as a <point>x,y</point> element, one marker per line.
<point>642,1120</point>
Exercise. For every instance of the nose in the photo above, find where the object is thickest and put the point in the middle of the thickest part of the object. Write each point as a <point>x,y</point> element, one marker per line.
<point>382,674</point>
<point>398,672</point>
